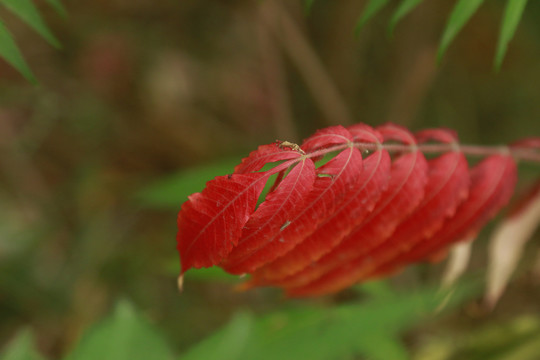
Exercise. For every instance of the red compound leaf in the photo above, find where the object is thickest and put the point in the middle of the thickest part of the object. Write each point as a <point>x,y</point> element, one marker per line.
<point>322,228</point>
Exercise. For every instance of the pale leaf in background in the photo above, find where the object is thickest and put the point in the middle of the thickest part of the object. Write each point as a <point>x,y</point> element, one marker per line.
<point>457,262</point>
<point>507,244</point>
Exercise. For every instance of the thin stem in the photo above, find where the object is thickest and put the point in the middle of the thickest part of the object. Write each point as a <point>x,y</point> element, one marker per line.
<point>272,66</point>
<point>309,64</point>
<point>523,154</point>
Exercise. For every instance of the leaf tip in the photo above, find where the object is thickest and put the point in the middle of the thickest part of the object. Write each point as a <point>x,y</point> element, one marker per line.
<point>459,259</point>
<point>490,300</point>
<point>358,28</point>
<point>56,44</point>
<point>180,282</point>
<point>440,54</point>
<point>497,64</point>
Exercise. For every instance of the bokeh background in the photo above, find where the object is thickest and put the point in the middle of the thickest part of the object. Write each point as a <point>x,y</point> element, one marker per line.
<point>145,90</point>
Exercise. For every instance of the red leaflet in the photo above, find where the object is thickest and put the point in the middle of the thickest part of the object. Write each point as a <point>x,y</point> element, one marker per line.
<point>323,228</point>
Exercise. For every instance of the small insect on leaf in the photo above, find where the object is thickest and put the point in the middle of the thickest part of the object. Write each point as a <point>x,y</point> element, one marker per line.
<point>284,226</point>
<point>292,146</point>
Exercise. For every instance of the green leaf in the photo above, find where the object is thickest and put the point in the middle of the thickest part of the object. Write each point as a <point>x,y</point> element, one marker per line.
<point>377,289</point>
<point>404,8</point>
<point>383,347</point>
<point>371,9</point>
<point>22,347</point>
<point>511,18</point>
<point>228,343</point>
<point>11,53</point>
<point>461,13</point>
<point>123,336</point>
<point>371,328</point>
<point>173,190</point>
<point>28,12</point>
<point>57,5</point>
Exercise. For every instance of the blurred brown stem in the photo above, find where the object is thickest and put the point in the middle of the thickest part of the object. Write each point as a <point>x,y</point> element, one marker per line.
<point>275,78</point>
<point>308,63</point>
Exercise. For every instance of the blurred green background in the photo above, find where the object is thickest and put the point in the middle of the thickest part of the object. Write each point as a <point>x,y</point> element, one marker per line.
<point>147,100</point>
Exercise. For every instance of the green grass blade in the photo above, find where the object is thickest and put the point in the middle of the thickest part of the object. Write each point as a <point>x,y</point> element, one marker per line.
<point>461,13</point>
<point>11,53</point>
<point>405,7</point>
<point>228,343</point>
<point>371,9</point>
<point>511,18</point>
<point>27,11</point>
<point>57,5</point>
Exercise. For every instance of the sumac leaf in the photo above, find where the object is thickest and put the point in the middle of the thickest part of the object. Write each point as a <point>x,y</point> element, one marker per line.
<point>347,205</point>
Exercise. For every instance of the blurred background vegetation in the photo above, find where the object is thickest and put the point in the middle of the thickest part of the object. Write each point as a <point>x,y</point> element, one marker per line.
<point>148,100</point>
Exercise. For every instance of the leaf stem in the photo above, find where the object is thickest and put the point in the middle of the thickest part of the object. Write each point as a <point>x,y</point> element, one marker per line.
<point>519,153</point>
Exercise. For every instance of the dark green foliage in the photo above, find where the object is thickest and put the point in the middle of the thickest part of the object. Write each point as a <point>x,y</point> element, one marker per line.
<point>371,9</point>
<point>512,16</point>
<point>28,13</point>
<point>372,328</point>
<point>123,335</point>
<point>10,51</point>
<point>461,14</point>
